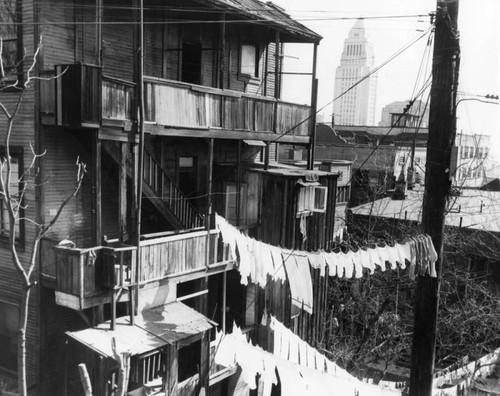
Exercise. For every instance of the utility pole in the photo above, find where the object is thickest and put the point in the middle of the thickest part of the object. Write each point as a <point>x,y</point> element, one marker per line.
<point>442,129</point>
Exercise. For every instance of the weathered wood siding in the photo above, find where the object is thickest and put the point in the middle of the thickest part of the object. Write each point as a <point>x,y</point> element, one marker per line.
<point>280,227</point>
<point>63,149</point>
<point>118,39</point>
<point>23,135</point>
<point>58,39</point>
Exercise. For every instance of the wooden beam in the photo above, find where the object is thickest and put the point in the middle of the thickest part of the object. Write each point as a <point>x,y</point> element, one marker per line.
<point>118,135</point>
<point>314,105</point>
<point>205,362</point>
<point>172,370</point>
<point>218,133</point>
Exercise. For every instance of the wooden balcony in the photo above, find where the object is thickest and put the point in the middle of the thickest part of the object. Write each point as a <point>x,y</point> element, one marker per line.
<point>83,278</point>
<point>224,113</point>
<point>171,107</point>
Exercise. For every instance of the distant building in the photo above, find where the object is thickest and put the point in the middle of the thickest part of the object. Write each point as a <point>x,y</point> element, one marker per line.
<point>375,153</point>
<point>468,162</point>
<point>391,114</point>
<point>356,107</point>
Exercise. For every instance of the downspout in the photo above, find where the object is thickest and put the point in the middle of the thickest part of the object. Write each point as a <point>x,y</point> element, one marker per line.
<point>314,105</point>
<point>140,108</point>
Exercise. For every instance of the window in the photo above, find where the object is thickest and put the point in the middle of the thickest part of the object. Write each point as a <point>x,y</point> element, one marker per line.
<point>10,33</point>
<point>9,325</point>
<point>312,199</point>
<point>15,189</point>
<point>249,64</point>
<point>401,160</point>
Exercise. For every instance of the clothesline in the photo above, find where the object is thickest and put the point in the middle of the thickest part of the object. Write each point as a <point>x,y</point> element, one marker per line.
<point>257,260</point>
<point>294,378</point>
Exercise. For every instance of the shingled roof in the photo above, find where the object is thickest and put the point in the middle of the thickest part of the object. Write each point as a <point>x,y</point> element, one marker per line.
<point>268,14</point>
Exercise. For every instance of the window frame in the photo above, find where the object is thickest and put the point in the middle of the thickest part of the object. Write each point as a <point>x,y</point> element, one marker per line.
<point>14,71</point>
<point>256,70</point>
<point>307,198</point>
<point>18,152</point>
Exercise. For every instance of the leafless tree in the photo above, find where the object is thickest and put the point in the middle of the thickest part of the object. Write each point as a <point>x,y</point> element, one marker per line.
<point>13,194</point>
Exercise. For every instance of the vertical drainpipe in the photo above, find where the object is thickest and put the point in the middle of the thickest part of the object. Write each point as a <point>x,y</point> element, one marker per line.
<point>140,108</point>
<point>314,105</point>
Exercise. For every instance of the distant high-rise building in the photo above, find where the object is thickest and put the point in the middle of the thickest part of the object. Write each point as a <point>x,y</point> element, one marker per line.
<point>356,107</point>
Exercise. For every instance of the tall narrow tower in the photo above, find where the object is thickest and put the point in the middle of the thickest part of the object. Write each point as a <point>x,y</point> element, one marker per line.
<point>357,107</point>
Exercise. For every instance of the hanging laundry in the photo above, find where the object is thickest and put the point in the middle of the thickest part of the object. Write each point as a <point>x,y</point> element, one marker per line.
<point>278,266</point>
<point>317,261</point>
<point>299,279</point>
<point>257,260</point>
<point>244,257</point>
<point>228,233</point>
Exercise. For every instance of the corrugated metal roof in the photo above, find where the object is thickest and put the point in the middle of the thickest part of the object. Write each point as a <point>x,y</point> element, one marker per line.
<point>269,14</point>
<point>153,329</point>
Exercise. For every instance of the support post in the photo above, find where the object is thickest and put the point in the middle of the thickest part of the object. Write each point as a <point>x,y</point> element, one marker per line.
<point>277,76</point>
<point>442,129</point>
<point>140,168</point>
<point>96,187</point>
<point>238,183</point>
<point>314,106</point>
<point>205,363</point>
<point>122,194</point>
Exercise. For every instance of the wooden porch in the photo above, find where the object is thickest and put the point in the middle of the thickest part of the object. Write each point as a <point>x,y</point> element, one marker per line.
<point>172,108</point>
<point>84,278</point>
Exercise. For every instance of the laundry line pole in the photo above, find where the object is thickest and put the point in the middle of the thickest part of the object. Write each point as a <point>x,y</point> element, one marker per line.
<point>441,137</point>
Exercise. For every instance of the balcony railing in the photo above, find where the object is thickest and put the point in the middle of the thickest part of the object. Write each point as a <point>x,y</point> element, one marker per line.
<point>83,278</point>
<point>167,103</point>
<point>192,106</point>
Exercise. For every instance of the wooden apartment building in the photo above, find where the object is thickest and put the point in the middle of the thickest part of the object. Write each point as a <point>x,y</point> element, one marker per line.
<point>175,107</point>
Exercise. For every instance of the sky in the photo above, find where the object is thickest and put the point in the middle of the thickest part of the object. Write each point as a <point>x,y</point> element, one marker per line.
<point>479,67</point>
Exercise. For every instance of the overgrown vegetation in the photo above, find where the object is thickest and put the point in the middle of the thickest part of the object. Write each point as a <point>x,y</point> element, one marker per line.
<point>371,319</point>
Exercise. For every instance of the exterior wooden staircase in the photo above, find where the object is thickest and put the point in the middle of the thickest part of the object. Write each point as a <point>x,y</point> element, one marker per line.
<point>162,192</point>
